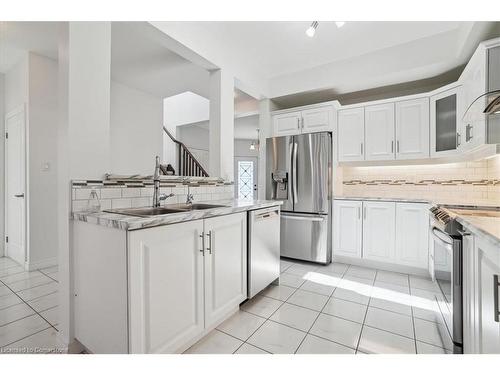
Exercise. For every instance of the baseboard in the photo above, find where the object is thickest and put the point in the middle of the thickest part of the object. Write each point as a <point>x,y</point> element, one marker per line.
<point>382,265</point>
<point>32,266</point>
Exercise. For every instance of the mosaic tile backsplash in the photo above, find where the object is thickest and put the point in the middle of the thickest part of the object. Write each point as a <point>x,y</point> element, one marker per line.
<point>129,193</point>
<point>467,181</point>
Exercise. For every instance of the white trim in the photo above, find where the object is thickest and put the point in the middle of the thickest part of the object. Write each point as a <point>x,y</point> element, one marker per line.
<point>21,109</point>
<point>44,263</point>
<point>334,103</point>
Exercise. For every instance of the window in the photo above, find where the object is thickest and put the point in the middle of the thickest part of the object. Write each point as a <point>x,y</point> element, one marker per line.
<point>245,179</point>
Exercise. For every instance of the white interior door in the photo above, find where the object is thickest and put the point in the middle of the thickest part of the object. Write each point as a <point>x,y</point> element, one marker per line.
<point>246,173</point>
<point>15,178</point>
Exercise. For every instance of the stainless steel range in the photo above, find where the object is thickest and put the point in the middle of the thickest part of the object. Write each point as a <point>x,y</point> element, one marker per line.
<point>448,235</point>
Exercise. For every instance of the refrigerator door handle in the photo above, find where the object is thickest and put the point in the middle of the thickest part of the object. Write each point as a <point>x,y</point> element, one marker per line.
<point>294,172</point>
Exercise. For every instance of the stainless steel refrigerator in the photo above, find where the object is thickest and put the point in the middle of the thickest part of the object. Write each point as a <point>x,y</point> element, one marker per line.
<point>299,172</point>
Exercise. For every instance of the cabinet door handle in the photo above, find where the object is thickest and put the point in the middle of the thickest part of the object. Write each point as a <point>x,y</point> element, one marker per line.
<point>364,213</point>
<point>361,148</point>
<point>392,147</point>
<point>459,140</point>
<point>209,247</point>
<point>397,146</point>
<point>202,237</point>
<point>359,213</point>
<point>495,298</point>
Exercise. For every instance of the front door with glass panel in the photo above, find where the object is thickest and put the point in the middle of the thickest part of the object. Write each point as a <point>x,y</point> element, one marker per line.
<point>245,176</point>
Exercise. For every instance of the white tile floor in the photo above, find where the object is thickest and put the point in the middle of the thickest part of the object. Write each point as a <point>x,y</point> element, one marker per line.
<point>28,309</point>
<point>334,309</point>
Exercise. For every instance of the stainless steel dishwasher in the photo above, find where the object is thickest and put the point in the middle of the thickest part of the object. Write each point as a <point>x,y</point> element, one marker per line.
<point>263,248</point>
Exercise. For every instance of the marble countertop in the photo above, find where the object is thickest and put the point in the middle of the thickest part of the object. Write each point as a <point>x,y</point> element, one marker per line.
<point>126,222</point>
<point>486,227</point>
<point>386,199</point>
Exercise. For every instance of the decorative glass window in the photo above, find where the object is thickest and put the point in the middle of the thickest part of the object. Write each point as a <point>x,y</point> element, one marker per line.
<point>245,179</point>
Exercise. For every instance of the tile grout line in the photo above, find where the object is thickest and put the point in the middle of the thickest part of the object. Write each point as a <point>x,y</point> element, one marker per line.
<point>315,320</point>
<point>366,313</point>
<point>36,312</point>
<point>50,277</point>
<point>412,318</point>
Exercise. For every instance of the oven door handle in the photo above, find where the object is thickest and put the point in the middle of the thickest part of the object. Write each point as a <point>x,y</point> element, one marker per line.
<point>441,237</point>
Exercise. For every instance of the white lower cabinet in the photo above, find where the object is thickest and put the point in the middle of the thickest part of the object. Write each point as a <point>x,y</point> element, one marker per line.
<point>165,287</point>
<point>390,232</point>
<point>225,266</point>
<point>160,289</point>
<point>481,296</point>
<point>412,234</point>
<point>347,228</point>
<point>379,230</point>
<point>184,279</point>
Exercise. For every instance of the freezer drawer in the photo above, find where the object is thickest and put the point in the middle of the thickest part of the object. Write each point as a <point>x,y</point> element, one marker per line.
<point>305,237</point>
<point>263,248</point>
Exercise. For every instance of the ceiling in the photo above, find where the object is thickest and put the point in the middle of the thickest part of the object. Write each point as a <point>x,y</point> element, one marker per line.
<point>16,38</point>
<point>140,62</point>
<point>277,48</point>
<point>358,56</point>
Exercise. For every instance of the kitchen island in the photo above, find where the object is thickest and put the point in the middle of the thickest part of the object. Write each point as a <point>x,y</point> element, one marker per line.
<point>158,284</point>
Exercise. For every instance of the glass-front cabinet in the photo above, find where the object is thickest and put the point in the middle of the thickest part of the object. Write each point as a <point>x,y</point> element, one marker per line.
<point>446,136</point>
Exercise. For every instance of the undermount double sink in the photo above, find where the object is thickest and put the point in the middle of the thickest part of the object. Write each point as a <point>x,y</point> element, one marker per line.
<point>155,211</point>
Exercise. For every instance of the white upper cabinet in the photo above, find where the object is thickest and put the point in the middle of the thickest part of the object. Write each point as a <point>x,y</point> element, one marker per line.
<point>225,266</point>
<point>351,134</point>
<point>379,132</point>
<point>379,230</point>
<point>412,234</point>
<point>445,123</point>
<point>287,123</point>
<point>347,228</point>
<point>473,85</point>
<point>306,121</point>
<point>412,129</point>
<point>317,119</point>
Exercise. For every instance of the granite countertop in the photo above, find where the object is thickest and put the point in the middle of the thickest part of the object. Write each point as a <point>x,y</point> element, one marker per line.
<point>126,222</point>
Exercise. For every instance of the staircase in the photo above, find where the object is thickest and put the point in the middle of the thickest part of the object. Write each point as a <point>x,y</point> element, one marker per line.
<point>187,163</point>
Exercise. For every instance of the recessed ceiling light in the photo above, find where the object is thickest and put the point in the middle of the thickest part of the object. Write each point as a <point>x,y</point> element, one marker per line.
<point>312,29</point>
<point>339,23</point>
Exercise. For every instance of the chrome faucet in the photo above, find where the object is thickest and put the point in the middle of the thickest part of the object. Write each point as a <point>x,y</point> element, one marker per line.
<point>189,198</point>
<point>157,197</point>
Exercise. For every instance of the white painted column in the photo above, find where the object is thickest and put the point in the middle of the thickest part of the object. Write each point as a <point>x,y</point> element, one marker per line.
<point>266,106</point>
<point>83,134</point>
<point>221,146</point>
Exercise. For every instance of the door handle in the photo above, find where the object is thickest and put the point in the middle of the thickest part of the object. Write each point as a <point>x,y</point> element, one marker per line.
<point>359,213</point>
<point>361,148</point>
<point>209,247</point>
<point>294,172</point>
<point>364,213</point>
<point>495,298</point>
<point>19,195</point>
<point>202,237</point>
<point>459,140</point>
<point>397,146</point>
<point>392,147</point>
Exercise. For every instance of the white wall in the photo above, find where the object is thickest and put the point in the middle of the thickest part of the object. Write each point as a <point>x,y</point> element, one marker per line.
<point>242,149</point>
<point>42,152</point>
<point>16,85</point>
<point>136,130</point>
<point>2,161</point>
